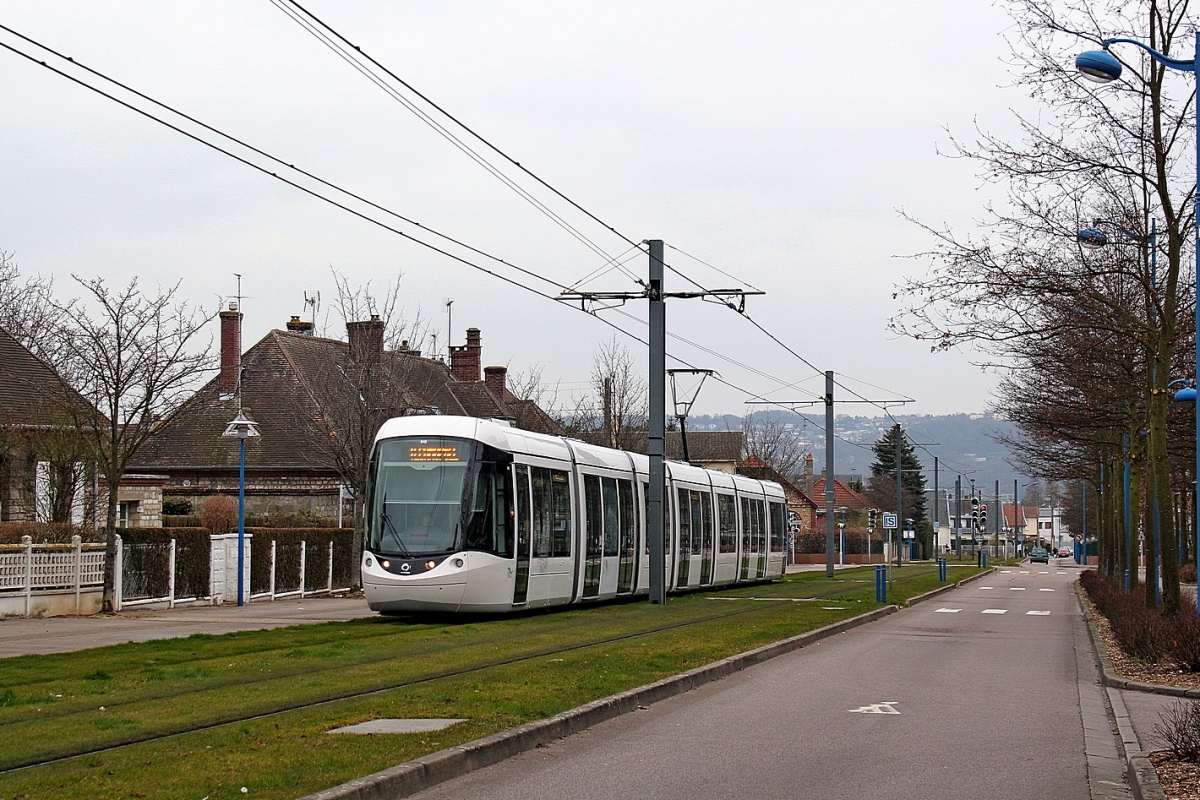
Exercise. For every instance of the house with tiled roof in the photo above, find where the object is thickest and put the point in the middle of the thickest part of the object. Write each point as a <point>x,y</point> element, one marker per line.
<point>307,395</point>
<point>843,495</point>
<point>801,507</point>
<point>717,450</point>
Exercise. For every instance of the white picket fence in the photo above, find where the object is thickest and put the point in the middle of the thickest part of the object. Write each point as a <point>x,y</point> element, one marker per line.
<point>55,579</point>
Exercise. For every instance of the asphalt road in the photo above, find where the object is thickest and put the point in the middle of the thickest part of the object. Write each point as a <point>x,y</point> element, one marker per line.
<point>970,695</point>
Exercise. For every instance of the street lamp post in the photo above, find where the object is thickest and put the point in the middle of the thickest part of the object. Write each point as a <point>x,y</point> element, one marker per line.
<point>1102,66</point>
<point>242,429</point>
<point>842,534</point>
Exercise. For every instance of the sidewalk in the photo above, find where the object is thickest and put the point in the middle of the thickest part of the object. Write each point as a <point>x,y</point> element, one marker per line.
<point>23,636</point>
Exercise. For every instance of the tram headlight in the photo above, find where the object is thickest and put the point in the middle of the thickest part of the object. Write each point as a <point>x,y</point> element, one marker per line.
<point>386,564</point>
<point>430,565</point>
<point>368,561</point>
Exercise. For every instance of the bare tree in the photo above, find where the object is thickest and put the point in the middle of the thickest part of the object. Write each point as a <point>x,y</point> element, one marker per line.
<point>25,308</point>
<point>1120,152</point>
<point>765,436</point>
<point>363,302</point>
<point>616,413</point>
<point>134,358</point>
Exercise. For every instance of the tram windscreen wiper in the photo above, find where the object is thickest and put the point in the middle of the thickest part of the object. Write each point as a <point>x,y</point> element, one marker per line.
<point>387,520</point>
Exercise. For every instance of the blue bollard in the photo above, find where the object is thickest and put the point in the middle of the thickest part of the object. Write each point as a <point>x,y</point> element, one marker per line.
<point>880,583</point>
<point>984,554</point>
<point>1127,580</point>
<point>942,570</point>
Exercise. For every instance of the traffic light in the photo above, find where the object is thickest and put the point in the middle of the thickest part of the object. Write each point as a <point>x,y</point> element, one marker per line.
<point>872,517</point>
<point>983,516</point>
<point>975,513</point>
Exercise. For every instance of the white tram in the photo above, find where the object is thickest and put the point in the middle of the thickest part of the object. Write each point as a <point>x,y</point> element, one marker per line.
<point>472,515</point>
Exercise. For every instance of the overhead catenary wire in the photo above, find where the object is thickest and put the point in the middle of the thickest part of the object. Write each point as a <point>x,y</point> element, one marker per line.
<point>351,53</point>
<point>253,149</point>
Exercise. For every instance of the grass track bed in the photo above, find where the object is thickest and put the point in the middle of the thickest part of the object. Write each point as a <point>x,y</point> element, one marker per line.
<point>496,674</point>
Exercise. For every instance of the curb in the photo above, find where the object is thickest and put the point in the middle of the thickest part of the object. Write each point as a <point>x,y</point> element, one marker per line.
<point>949,587</point>
<point>1139,771</point>
<point>421,773</point>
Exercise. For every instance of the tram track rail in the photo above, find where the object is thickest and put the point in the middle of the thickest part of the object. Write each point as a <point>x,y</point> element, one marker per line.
<point>841,587</point>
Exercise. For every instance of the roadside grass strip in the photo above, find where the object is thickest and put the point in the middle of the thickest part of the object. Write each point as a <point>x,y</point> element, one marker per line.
<point>207,715</point>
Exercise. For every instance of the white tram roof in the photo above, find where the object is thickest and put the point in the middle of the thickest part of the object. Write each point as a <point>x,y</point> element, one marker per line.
<point>513,440</point>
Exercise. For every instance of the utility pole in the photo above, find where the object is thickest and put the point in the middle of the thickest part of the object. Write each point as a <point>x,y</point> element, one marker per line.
<point>937,501</point>
<point>830,491</point>
<point>608,420</point>
<point>958,516</point>
<point>996,524</point>
<point>653,291</point>
<point>899,489</point>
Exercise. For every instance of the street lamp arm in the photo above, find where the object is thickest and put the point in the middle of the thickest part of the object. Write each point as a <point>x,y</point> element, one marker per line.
<point>1137,237</point>
<point>1188,65</point>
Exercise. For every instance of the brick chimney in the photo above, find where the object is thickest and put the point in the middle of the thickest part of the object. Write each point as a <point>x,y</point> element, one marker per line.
<point>808,473</point>
<point>496,379</point>
<point>466,359</point>
<point>297,325</point>
<point>366,339</point>
<point>231,349</point>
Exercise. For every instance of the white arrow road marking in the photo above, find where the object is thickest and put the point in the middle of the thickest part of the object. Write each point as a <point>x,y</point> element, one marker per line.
<point>1037,613</point>
<point>948,611</point>
<point>994,611</point>
<point>876,708</point>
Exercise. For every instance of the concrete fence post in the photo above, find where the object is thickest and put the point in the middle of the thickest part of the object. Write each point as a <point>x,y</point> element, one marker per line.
<point>77,551</point>
<point>331,566</point>
<point>171,574</point>
<point>302,555</point>
<point>118,575</point>
<point>27,541</point>
<point>273,569</point>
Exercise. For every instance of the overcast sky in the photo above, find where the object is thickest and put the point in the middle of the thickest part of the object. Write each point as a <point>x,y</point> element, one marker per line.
<point>775,140</point>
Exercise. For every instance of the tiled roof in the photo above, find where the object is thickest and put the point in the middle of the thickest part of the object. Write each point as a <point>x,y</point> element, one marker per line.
<point>843,495</point>
<point>754,467</point>
<point>29,388</point>
<point>706,446</point>
<point>292,384</point>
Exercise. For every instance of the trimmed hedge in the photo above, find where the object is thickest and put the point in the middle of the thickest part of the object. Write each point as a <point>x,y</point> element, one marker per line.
<point>193,557</point>
<point>47,532</point>
<point>287,554</point>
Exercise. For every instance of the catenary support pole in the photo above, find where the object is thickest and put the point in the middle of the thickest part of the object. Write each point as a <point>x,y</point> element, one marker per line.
<point>658,406</point>
<point>958,516</point>
<point>899,490</point>
<point>937,502</point>
<point>996,524</point>
<point>830,490</point>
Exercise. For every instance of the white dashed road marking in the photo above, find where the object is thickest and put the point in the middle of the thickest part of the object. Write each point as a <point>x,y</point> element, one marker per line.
<point>876,708</point>
<point>1041,572</point>
<point>1037,613</point>
<point>948,611</point>
<point>985,587</point>
<point>1024,572</point>
<point>994,611</point>
<point>1005,571</point>
<point>1045,590</point>
<point>1062,573</point>
<point>1016,588</point>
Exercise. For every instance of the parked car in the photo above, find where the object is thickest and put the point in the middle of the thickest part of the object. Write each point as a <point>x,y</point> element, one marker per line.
<point>1039,554</point>
<point>1064,552</point>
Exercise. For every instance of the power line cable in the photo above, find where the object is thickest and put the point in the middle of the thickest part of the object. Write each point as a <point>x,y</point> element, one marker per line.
<point>358,51</point>
<point>252,149</point>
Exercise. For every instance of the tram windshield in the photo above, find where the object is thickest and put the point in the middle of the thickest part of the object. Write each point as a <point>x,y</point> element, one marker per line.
<point>433,495</point>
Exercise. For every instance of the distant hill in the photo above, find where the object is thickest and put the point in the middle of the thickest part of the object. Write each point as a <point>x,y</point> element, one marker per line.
<point>964,443</point>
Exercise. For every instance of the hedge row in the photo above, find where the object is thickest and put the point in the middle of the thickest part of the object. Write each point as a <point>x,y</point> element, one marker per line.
<point>813,541</point>
<point>1143,632</point>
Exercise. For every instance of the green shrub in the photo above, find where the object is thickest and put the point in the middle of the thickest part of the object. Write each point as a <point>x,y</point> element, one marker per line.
<point>47,532</point>
<point>193,556</point>
<point>176,506</point>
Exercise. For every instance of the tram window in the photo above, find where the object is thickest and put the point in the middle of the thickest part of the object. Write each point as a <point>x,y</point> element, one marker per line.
<point>706,505</point>
<point>560,483</point>
<point>541,511</point>
<point>778,527</point>
<point>611,517</point>
<point>666,518</point>
<point>759,526</point>
<point>628,523</point>
<point>747,525</point>
<point>522,492</point>
<point>727,514</point>
<point>685,521</point>
<point>489,527</point>
<point>697,523</point>
<point>595,514</point>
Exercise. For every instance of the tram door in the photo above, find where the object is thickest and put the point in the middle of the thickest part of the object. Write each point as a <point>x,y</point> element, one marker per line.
<point>521,582</point>
<point>685,538</point>
<point>594,543</point>
<point>706,541</point>
<point>747,547</point>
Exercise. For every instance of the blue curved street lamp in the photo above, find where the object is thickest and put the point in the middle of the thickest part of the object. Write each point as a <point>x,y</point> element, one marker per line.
<point>1102,66</point>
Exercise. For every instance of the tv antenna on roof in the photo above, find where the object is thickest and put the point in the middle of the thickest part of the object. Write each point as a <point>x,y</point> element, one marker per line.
<point>313,301</point>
